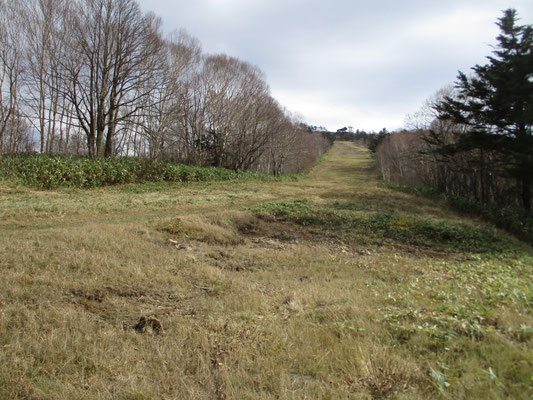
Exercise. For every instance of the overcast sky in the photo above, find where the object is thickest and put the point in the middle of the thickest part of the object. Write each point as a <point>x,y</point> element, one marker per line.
<point>347,62</point>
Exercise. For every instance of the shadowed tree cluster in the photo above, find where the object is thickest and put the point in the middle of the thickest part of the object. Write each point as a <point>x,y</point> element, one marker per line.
<point>475,139</point>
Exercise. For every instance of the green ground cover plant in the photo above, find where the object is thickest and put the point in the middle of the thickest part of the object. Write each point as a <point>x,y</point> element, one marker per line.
<point>515,220</point>
<point>389,225</point>
<point>49,172</point>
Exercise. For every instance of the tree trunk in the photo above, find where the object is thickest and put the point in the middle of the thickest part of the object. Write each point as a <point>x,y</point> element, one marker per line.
<point>111,128</point>
<point>109,139</point>
<point>91,144</point>
<point>526,193</point>
<point>100,127</point>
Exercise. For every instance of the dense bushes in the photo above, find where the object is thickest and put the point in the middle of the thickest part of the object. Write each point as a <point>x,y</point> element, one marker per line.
<point>468,181</point>
<point>54,171</point>
<point>407,158</point>
<point>515,220</point>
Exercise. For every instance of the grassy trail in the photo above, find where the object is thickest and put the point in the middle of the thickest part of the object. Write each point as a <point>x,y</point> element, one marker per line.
<point>326,287</point>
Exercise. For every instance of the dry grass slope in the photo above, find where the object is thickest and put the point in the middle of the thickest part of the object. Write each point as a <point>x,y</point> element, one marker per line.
<point>328,287</point>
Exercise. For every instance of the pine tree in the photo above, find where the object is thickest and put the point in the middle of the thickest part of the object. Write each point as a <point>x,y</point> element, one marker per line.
<point>494,106</point>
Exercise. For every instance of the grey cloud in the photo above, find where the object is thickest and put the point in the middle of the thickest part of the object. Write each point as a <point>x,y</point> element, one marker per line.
<point>380,58</point>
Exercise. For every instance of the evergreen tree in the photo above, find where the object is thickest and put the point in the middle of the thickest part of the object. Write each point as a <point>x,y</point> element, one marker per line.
<point>494,106</point>
<point>376,139</point>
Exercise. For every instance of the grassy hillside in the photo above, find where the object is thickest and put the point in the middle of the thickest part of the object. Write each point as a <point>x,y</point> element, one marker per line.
<point>326,287</point>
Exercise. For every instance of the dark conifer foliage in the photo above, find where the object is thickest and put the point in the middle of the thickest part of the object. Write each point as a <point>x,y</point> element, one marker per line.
<point>493,110</point>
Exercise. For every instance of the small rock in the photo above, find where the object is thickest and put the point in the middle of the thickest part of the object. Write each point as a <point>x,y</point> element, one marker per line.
<point>297,376</point>
<point>148,322</point>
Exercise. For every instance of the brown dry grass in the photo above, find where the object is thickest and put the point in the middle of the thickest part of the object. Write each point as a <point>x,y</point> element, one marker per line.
<point>251,308</point>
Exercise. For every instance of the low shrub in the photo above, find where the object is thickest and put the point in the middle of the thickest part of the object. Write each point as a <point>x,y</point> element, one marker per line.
<point>517,221</point>
<point>383,225</point>
<point>49,172</point>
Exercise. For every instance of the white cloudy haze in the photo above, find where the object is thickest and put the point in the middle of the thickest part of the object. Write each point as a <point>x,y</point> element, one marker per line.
<point>347,62</point>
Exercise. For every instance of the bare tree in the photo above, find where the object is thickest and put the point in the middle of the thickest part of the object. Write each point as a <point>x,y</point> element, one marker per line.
<point>110,56</point>
<point>237,109</point>
<point>10,69</point>
<point>280,145</point>
<point>100,69</point>
<point>45,30</point>
<point>258,122</point>
<point>180,56</point>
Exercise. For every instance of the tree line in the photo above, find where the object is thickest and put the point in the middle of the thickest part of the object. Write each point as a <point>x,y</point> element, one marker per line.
<point>99,78</point>
<point>347,134</point>
<point>474,139</point>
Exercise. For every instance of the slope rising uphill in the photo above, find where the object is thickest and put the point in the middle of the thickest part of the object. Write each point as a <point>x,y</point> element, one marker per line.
<point>328,286</point>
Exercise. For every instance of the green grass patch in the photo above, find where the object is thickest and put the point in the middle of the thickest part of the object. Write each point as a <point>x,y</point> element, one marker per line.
<point>347,205</point>
<point>50,172</point>
<point>467,308</point>
<point>424,191</point>
<point>514,220</point>
<point>384,225</point>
